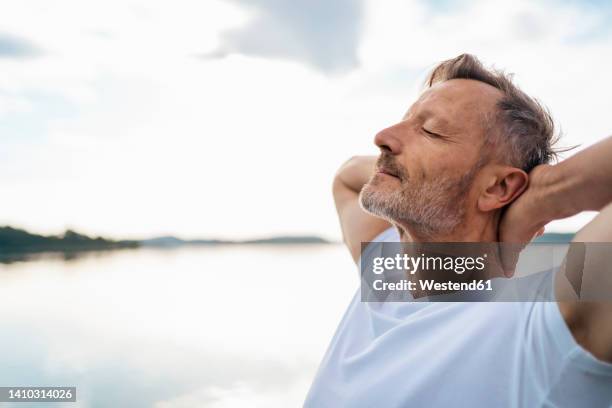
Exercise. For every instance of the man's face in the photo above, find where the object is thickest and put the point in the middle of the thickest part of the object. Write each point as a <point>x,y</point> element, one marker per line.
<point>429,159</point>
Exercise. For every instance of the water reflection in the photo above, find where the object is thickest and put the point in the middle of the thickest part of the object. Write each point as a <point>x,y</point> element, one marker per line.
<point>68,255</point>
<point>196,326</point>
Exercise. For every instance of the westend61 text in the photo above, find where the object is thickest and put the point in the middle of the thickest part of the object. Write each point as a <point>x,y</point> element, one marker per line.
<point>430,284</point>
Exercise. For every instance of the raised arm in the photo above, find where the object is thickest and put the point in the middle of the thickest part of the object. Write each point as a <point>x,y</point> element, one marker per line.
<point>590,319</point>
<point>357,225</point>
<point>581,183</point>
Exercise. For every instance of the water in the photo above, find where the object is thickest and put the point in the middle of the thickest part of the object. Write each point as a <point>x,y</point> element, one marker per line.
<point>214,327</point>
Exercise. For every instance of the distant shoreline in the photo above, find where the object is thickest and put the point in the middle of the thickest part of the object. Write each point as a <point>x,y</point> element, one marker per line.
<point>14,241</point>
<point>19,241</point>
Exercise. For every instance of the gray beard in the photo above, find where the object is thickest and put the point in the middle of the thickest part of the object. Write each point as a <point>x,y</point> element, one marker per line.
<point>432,207</point>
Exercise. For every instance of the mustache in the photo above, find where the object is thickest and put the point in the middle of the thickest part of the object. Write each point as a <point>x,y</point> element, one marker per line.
<point>387,162</point>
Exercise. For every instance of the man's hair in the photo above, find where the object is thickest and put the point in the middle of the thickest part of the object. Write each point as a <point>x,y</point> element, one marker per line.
<point>521,125</point>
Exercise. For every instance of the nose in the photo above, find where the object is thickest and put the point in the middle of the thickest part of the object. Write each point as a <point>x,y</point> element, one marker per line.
<point>387,141</point>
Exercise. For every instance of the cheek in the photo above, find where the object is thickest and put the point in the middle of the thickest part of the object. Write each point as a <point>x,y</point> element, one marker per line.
<point>425,159</point>
<point>450,162</point>
<point>414,163</point>
<point>423,166</point>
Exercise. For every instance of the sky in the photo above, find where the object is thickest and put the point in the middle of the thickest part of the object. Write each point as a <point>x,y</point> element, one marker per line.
<point>229,118</point>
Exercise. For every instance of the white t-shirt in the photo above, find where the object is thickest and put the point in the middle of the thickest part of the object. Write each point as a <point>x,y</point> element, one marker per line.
<point>457,354</point>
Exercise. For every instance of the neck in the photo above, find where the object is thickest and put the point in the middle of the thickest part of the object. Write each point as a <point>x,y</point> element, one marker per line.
<point>479,230</point>
<point>472,229</point>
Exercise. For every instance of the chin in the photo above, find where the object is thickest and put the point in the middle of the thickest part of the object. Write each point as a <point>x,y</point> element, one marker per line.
<point>375,197</point>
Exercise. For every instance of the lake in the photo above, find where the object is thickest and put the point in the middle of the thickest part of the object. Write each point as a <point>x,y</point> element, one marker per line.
<point>224,326</point>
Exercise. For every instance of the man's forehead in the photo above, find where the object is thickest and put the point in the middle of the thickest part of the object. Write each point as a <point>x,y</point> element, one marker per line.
<point>457,100</point>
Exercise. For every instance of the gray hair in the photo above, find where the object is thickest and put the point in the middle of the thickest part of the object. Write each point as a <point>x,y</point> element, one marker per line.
<point>521,125</point>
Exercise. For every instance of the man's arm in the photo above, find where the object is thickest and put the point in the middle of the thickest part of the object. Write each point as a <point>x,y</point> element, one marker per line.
<point>590,319</point>
<point>357,225</point>
<point>581,183</point>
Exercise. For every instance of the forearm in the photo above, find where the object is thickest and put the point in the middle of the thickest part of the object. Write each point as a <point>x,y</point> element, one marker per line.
<point>355,173</point>
<point>357,225</point>
<point>581,183</point>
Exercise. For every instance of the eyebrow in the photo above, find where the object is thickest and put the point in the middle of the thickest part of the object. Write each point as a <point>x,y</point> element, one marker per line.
<point>440,120</point>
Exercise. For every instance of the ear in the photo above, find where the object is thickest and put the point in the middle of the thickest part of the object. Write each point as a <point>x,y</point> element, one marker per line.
<point>503,186</point>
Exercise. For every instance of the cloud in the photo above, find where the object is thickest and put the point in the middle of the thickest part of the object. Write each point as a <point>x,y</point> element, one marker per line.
<point>15,47</point>
<point>136,99</point>
<point>324,34</point>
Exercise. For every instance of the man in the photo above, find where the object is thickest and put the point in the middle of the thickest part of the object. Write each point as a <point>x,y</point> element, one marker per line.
<point>469,163</point>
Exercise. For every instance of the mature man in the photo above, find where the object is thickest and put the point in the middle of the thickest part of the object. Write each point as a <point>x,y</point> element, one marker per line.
<point>469,163</point>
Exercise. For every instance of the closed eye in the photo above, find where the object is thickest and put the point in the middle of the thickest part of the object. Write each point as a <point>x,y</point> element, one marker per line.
<point>431,133</point>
